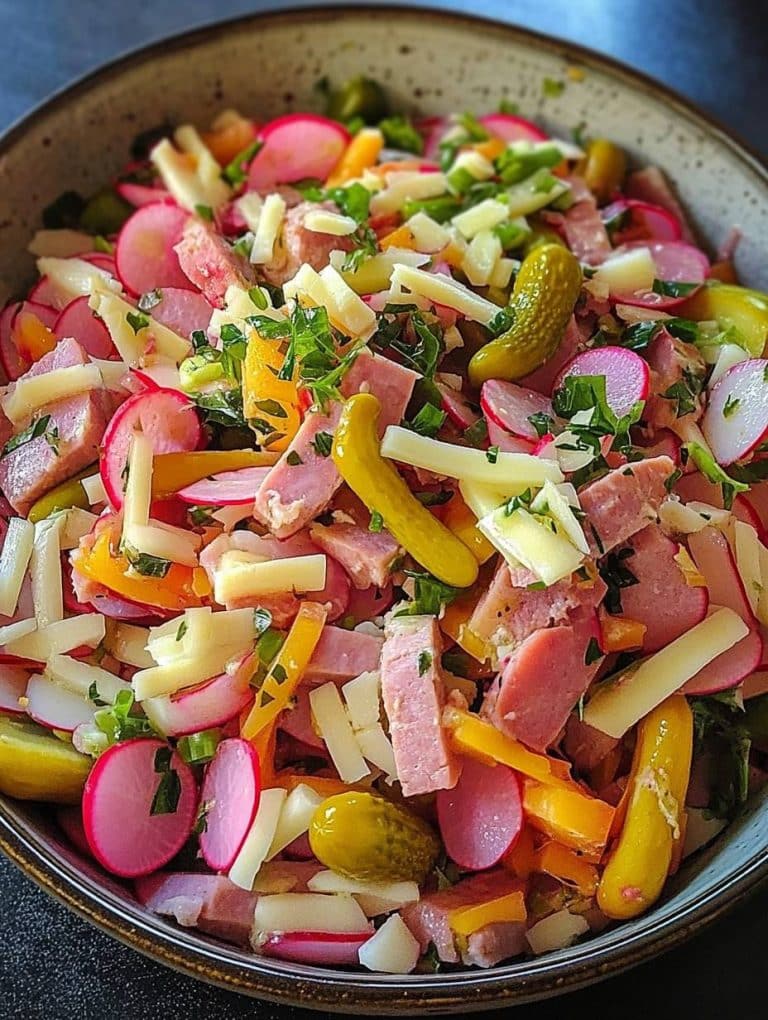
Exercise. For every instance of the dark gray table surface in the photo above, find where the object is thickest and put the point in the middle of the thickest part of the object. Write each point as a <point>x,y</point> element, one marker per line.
<point>53,964</point>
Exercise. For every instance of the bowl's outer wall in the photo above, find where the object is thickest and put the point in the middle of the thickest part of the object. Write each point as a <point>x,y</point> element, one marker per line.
<point>430,63</point>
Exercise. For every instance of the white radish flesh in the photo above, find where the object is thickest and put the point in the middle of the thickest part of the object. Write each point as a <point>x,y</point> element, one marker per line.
<point>736,420</point>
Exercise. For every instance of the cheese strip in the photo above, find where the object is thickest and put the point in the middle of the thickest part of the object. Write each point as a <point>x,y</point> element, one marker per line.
<point>182,176</point>
<point>484,216</point>
<point>510,473</point>
<point>127,643</point>
<point>174,676</point>
<point>333,726</point>
<point>94,489</point>
<point>304,911</point>
<point>255,848</point>
<point>242,576</point>
<point>207,168</point>
<point>30,393</point>
<point>45,572</point>
<point>60,244</point>
<point>444,290</point>
<point>154,541</point>
<point>328,289</point>
<point>229,630</point>
<point>73,278</point>
<point>267,229</point>
<point>14,632</point>
<point>323,221</point>
<point>14,561</point>
<point>404,185</point>
<point>132,344</point>
<point>63,636</point>
<point>249,206</point>
<point>79,677</point>
<point>295,818</point>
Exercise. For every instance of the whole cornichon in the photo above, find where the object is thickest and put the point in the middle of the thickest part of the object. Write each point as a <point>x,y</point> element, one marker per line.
<point>370,839</point>
<point>545,293</point>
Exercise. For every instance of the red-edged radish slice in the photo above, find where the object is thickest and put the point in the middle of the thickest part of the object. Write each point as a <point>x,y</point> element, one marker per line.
<point>545,447</point>
<point>168,417</point>
<point>506,442</point>
<point>296,146</point>
<point>141,194</point>
<point>511,128</point>
<point>13,685</point>
<point>510,406</point>
<point>12,362</point>
<point>70,821</point>
<point>56,707</point>
<point>78,321</point>
<point>229,488</point>
<point>676,262</point>
<point>182,310</point>
<point>333,949</point>
<point>542,379</point>
<point>43,292</point>
<point>117,608</point>
<point>210,704</point>
<point>144,254</point>
<point>661,599</point>
<point>47,314</point>
<point>713,557</point>
<point>459,408</point>
<point>627,376</point>
<point>755,685</point>
<point>736,420</point>
<point>645,221</point>
<point>298,722</point>
<point>102,261</point>
<point>432,130</point>
<point>123,834</point>
<point>161,376</point>
<point>231,792</point>
<point>482,816</point>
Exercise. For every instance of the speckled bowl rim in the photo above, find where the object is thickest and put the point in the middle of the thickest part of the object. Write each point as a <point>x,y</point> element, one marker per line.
<point>340,991</point>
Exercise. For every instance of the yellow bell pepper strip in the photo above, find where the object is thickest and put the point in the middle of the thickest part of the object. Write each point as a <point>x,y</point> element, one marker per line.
<point>174,471</point>
<point>603,168</point>
<point>473,736</point>
<point>35,765</point>
<point>521,859</point>
<point>491,149</point>
<point>322,785</point>
<point>566,865</point>
<point>287,670</point>
<point>181,588</point>
<point>377,483</point>
<point>640,861</point>
<point>619,633</point>
<point>402,237</point>
<point>361,153</point>
<point>459,519</point>
<point>467,920</point>
<point>567,815</point>
<point>730,305</point>
<point>455,623</point>
<point>32,337</point>
<point>267,399</point>
<point>543,299</point>
<point>232,138</point>
<point>62,497</point>
<point>265,743</point>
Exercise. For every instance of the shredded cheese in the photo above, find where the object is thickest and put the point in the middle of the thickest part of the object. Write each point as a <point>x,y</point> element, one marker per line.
<point>323,221</point>
<point>484,216</point>
<point>405,185</point>
<point>480,258</point>
<point>181,173</point>
<point>14,561</point>
<point>29,393</point>
<point>268,229</point>
<point>446,291</point>
<point>243,575</point>
<point>132,343</point>
<point>45,572</point>
<point>207,167</point>
<point>40,644</point>
<point>94,489</point>
<point>329,289</point>
<point>73,278</point>
<point>256,845</point>
<point>335,729</point>
<point>295,818</point>
<point>60,244</point>
<point>525,539</point>
<point>79,677</point>
<point>428,235</point>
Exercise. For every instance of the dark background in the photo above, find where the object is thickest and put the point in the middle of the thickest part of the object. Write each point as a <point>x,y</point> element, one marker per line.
<point>54,965</point>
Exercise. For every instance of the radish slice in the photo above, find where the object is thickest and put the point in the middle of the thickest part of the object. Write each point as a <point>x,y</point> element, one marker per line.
<point>627,376</point>
<point>117,608</point>
<point>13,365</point>
<point>506,442</point>
<point>728,669</point>
<point>210,704</point>
<point>646,221</point>
<point>162,376</point>
<point>330,948</point>
<point>144,254</point>
<point>510,406</point>
<point>676,262</point>
<point>661,599</point>
<point>232,787</point>
<point>296,146</point>
<point>124,837</point>
<point>482,816</point>
<point>229,488</point>
<point>460,410</point>
<point>168,417</point>
<point>102,261</point>
<point>43,292</point>
<point>70,821</point>
<point>183,311</point>
<point>432,130</point>
<point>13,685</point>
<point>511,128</point>
<point>45,313</point>
<point>56,707</point>
<point>78,321</point>
<point>141,194</point>
<point>736,420</point>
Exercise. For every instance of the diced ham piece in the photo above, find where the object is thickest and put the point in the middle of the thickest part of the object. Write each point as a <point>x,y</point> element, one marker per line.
<point>35,467</point>
<point>298,245</point>
<point>366,556</point>
<point>509,611</point>
<point>623,502</point>
<point>673,363</point>
<point>209,902</point>
<point>391,383</point>
<point>342,654</point>
<point>413,691</point>
<point>583,226</point>
<point>650,185</point>
<point>429,921</point>
<point>542,681</point>
<point>584,745</point>
<point>208,261</point>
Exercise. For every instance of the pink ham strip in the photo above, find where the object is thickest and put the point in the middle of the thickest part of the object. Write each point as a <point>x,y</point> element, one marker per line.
<point>209,263</point>
<point>342,654</point>
<point>669,358</point>
<point>365,555</point>
<point>209,902</point>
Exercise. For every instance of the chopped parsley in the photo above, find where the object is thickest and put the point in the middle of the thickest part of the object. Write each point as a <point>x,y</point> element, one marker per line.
<point>617,576</point>
<point>36,428</point>
<point>492,454</point>
<point>399,133</point>
<point>428,596</point>
<point>721,733</point>
<point>477,434</point>
<point>183,627</point>
<point>593,652</point>
<point>731,406</point>
<point>204,212</point>
<point>376,522</point>
<point>137,321</point>
<point>672,288</point>
<point>427,422</point>
<point>552,87</point>
<point>262,620</point>
<point>712,471</point>
<point>425,662</point>
<point>166,798</point>
<point>293,458</point>
<point>418,343</point>
<point>323,444</point>
<point>685,393</point>
<point>146,565</point>
<point>543,423</point>
<point>236,171</point>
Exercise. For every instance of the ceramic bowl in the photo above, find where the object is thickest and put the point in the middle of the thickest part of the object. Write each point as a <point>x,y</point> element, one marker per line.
<point>430,62</point>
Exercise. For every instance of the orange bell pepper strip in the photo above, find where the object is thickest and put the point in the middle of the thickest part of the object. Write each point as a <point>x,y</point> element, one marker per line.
<point>619,633</point>
<point>566,814</point>
<point>181,588</point>
<point>267,399</point>
<point>455,623</point>
<point>479,739</point>
<point>402,237</point>
<point>228,141</point>
<point>459,519</point>
<point>491,149</point>
<point>322,785</point>
<point>174,471</point>
<point>361,153</point>
<point>521,859</point>
<point>510,907</point>
<point>32,337</point>
<point>264,744</point>
<point>287,670</point>
<point>566,865</point>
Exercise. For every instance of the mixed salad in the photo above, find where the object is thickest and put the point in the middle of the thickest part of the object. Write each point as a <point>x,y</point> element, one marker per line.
<point>384,571</point>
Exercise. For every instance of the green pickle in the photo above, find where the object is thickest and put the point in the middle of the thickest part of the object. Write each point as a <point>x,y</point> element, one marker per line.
<point>63,497</point>
<point>360,97</point>
<point>369,839</point>
<point>544,296</point>
<point>34,765</point>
